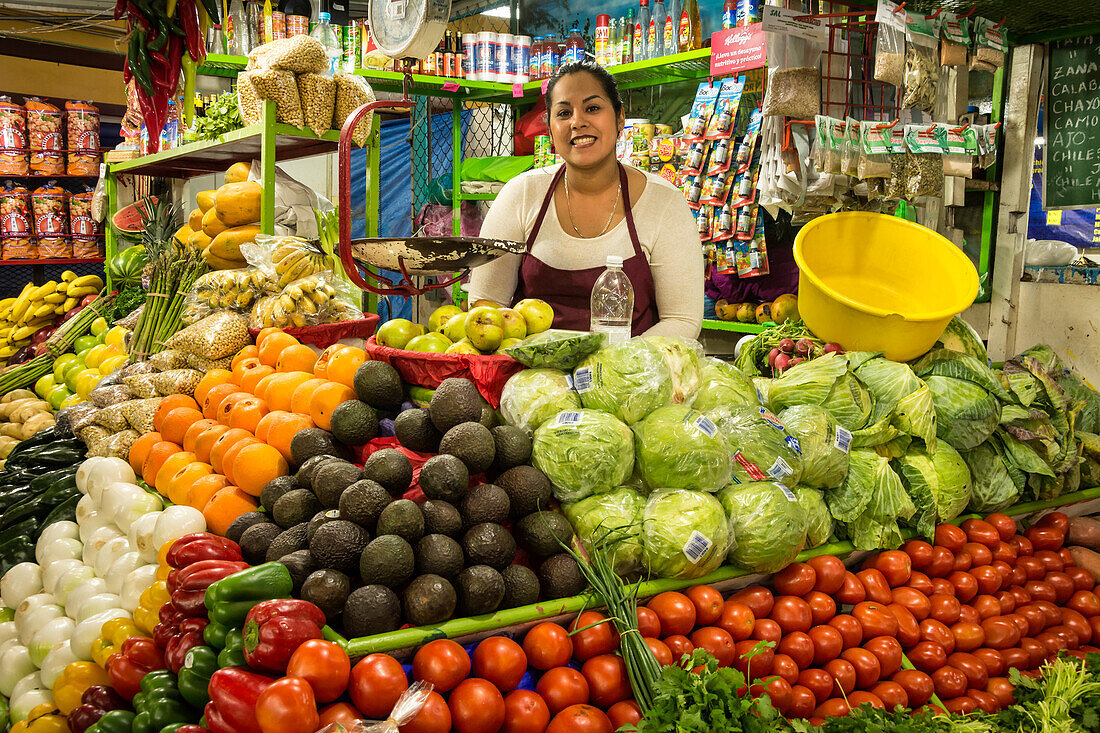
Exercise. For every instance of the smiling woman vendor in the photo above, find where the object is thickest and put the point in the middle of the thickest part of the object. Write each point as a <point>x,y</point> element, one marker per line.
<point>572,216</point>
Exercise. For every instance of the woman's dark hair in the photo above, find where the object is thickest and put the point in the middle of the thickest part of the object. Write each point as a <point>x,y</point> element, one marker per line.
<point>610,88</point>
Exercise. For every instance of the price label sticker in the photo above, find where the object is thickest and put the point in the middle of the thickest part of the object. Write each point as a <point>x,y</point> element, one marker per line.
<point>517,90</point>
<point>450,87</point>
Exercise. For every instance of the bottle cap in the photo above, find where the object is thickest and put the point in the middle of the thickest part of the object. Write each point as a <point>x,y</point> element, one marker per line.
<point>323,16</point>
<point>614,261</point>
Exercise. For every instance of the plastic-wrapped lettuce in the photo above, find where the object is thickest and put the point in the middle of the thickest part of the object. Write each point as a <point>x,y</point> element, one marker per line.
<point>824,381</point>
<point>819,523</point>
<point>616,516</point>
<point>682,357</point>
<point>676,447</point>
<point>938,484</point>
<point>871,502</point>
<point>629,379</point>
<point>966,414</point>
<point>824,445</point>
<point>583,452</point>
<point>533,396</point>
<point>556,348</point>
<point>993,487</point>
<point>721,383</point>
<point>762,448</point>
<point>685,534</point>
<point>768,525</point>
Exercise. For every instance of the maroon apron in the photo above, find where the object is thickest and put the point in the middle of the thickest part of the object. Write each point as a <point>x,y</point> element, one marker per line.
<point>570,291</point>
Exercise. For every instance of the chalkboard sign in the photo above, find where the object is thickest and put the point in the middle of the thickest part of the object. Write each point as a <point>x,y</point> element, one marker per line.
<point>1072,114</point>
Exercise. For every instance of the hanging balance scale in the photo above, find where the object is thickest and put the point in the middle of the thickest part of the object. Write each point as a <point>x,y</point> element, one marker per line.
<point>408,30</point>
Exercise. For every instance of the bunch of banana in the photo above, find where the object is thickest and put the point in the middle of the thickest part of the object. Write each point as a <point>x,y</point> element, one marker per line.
<point>298,305</point>
<point>293,261</point>
<point>235,290</point>
<point>37,306</point>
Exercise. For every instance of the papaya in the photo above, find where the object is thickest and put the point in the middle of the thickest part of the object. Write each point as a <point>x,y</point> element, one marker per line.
<point>198,241</point>
<point>211,224</point>
<point>205,200</point>
<point>220,263</point>
<point>183,234</point>
<point>238,203</point>
<point>227,245</point>
<point>238,172</point>
<point>746,313</point>
<point>725,310</point>
<point>194,220</point>
<point>785,308</point>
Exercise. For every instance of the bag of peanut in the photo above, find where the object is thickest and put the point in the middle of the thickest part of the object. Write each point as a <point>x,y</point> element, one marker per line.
<point>352,92</point>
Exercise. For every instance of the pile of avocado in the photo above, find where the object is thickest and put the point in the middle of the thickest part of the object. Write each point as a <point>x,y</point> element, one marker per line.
<point>374,561</point>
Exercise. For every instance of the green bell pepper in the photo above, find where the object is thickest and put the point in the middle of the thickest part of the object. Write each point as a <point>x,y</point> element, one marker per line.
<point>157,683</point>
<point>230,599</point>
<point>214,635</point>
<point>194,678</point>
<point>233,653</point>
<point>113,721</point>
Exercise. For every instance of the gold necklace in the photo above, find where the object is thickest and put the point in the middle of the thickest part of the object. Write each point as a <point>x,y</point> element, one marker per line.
<point>614,205</point>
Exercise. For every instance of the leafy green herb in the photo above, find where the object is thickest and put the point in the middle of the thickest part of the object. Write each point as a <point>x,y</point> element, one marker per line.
<point>129,299</point>
<point>221,116</point>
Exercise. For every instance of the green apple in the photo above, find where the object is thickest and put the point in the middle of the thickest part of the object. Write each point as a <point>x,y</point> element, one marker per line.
<point>506,343</point>
<point>463,347</point>
<point>515,326</point>
<point>441,315</point>
<point>84,343</point>
<point>485,328</point>
<point>57,394</point>
<point>396,333</point>
<point>59,365</point>
<point>537,313</point>
<point>71,373</point>
<point>44,384</point>
<point>99,326</point>
<point>455,329</point>
<point>433,343</point>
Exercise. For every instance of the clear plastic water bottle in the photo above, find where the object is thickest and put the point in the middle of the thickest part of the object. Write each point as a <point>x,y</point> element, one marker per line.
<point>326,34</point>
<point>612,304</point>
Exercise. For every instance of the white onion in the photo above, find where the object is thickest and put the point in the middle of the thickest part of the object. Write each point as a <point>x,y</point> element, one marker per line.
<point>141,535</point>
<point>36,619</point>
<point>52,573</point>
<point>86,508</point>
<point>137,507</point>
<point>97,604</point>
<point>59,531</point>
<point>82,592</point>
<point>69,581</point>
<point>25,579</point>
<point>62,548</point>
<point>55,663</point>
<point>22,706</point>
<point>14,666</point>
<point>110,552</point>
<point>49,635</point>
<point>91,525</point>
<point>120,568</point>
<point>135,584</point>
<point>176,521</point>
<point>32,603</point>
<point>84,471</point>
<point>107,472</point>
<point>118,495</point>
<point>88,630</point>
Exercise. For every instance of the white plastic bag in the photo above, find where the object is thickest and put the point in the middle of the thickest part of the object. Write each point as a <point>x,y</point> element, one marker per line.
<point>294,203</point>
<point>1049,253</point>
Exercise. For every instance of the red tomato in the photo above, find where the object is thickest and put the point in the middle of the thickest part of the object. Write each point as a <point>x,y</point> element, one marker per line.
<point>986,606</point>
<point>1084,602</point>
<point>1002,689</point>
<point>943,562</point>
<point>1067,634</point>
<point>1004,552</point>
<point>1046,538</point>
<point>1021,544</point>
<point>1052,560</point>
<point>950,536</point>
<point>967,614</point>
<point>324,665</point>
<point>980,555</point>
<point>786,668</point>
<point>1082,579</point>
<point>851,630</point>
<point>1094,623</point>
<point>1018,658</point>
<point>444,663</point>
<point>1020,622</point>
<point>476,707</point>
<point>822,607</point>
<point>895,565</point>
<point>802,703</point>
<point>1053,612</point>
<point>818,682</point>
<point>961,705</point>
<point>1076,621</point>
<point>987,703</point>
<point>623,713</point>
<point>919,552</point>
<point>945,608</point>
<point>978,530</point>
<point>934,631</point>
<point>1007,601</point>
<point>1004,524</point>
<point>525,712</point>
<point>1021,595</point>
<point>797,579</point>
<point>949,682</point>
<point>757,665</point>
<point>927,656</point>
<point>792,614</point>
<point>649,626</point>
<point>1054,643</point>
<point>608,681</point>
<point>920,582</point>
<point>989,579</point>
<point>892,695</point>
<point>766,630</point>
<point>660,651</point>
<point>968,636</point>
<point>830,573</point>
<point>338,712</point>
<point>843,673</point>
<point>993,660</point>
<point>580,719</point>
<point>908,629</point>
<point>434,717</point>
<point>852,591</point>
<point>917,602</point>
<point>1005,570</point>
<point>561,687</point>
<point>868,669</point>
<point>1058,520</point>
<point>676,612</point>
<point>758,598</point>
<point>832,708</point>
<point>876,619</point>
<point>376,683</point>
<point>966,585</point>
<point>860,698</point>
<point>679,645</point>
<point>708,604</point>
<point>599,639</point>
<point>874,583</point>
<point>1035,652</point>
<point>1000,634</point>
<point>717,641</point>
<point>778,689</point>
<point>799,647</point>
<point>738,619</point>
<point>1067,557</point>
<point>963,561</point>
<point>1036,619</point>
<point>501,661</point>
<point>974,668</point>
<point>828,643</point>
<point>918,686</point>
<point>1040,590</point>
<point>888,651</point>
<point>943,587</point>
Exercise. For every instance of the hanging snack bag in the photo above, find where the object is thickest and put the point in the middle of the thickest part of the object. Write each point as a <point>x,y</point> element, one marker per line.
<point>954,39</point>
<point>987,144</point>
<point>927,145</point>
<point>83,226</point>
<point>13,138</point>
<point>849,154</point>
<point>794,44</point>
<point>706,98</point>
<point>51,210</point>
<point>922,70</point>
<point>44,138</point>
<point>874,159</point>
<point>725,109</point>
<point>962,146</point>
<point>82,126</point>
<point>16,228</point>
<point>890,43</point>
<point>989,46</point>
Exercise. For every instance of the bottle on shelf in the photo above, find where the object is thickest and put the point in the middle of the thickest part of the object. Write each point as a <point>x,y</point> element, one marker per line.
<point>641,27</point>
<point>628,36</point>
<point>238,29</point>
<point>551,57</point>
<point>603,39</point>
<point>326,34</point>
<point>691,34</point>
<point>448,55</point>
<point>215,40</point>
<point>729,14</point>
<point>656,38</point>
<point>612,303</point>
<point>613,42</point>
<point>574,46</point>
<point>534,63</point>
<point>671,42</point>
<point>297,14</point>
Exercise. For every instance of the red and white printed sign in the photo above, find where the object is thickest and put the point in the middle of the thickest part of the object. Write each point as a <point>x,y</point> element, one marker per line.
<point>737,49</point>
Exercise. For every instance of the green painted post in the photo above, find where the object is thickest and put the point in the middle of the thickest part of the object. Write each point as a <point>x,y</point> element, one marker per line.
<point>110,246</point>
<point>989,208</point>
<point>267,167</point>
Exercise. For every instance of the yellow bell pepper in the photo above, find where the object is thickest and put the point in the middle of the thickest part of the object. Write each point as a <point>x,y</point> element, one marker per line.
<point>45,719</point>
<point>73,681</point>
<point>147,614</point>
<point>111,636</point>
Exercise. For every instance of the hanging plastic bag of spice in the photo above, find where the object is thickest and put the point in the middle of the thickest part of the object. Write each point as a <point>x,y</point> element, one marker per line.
<point>899,164</point>
<point>989,46</point>
<point>849,154</point>
<point>987,144</point>
<point>926,144</point>
<point>794,44</point>
<point>954,39</point>
<point>962,146</point>
<point>890,43</point>
<point>874,159</point>
<point>922,70</point>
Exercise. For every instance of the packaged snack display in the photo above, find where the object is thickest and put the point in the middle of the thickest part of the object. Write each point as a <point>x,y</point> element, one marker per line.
<point>54,248</point>
<point>13,138</point>
<point>44,138</point>
<point>16,228</point>
<point>83,227</point>
<point>989,46</point>
<point>82,128</point>
<point>954,39</point>
<point>51,210</point>
<point>890,43</point>
<point>794,45</point>
<point>922,69</point>
<point>706,97</point>
<point>299,54</point>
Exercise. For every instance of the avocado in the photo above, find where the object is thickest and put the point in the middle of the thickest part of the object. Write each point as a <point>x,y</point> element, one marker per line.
<point>379,385</point>
<point>521,586</point>
<point>489,416</point>
<point>471,443</point>
<point>390,468</point>
<point>243,522</point>
<point>295,507</point>
<point>307,469</point>
<point>429,599</point>
<point>331,478</point>
<point>275,488</point>
<point>388,560</point>
<point>325,515</point>
<point>489,544</point>
<point>256,539</point>
<point>363,502</point>
<point>300,564</point>
<point>440,555</point>
<point>402,518</point>
<point>286,542</point>
<point>539,533</point>
<point>338,545</point>
<point>480,590</point>
<point>444,477</point>
<point>315,442</point>
<point>354,422</point>
<point>513,447</point>
<point>484,503</point>
<point>372,609</point>
<point>415,431</point>
<point>441,517</point>
<point>328,590</point>
<point>559,577</point>
<point>528,490</point>
<point>456,400</point>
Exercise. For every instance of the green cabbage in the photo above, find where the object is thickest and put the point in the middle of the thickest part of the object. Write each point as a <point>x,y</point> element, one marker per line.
<point>682,357</point>
<point>768,525</point>
<point>953,482</point>
<point>533,396</point>
<point>824,381</point>
<point>871,502</point>
<point>615,516</point>
<point>629,379</point>
<point>721,383</point>
<point>678,448</point>
<point>762,447</point>
<point>685,534</point>
<point>819,523</point>
<point>583,452</point>
<point>938,484</point>
<point>993,487</point>
<point>824,445</point>
<point>966,414</point>
<point>900,396</point>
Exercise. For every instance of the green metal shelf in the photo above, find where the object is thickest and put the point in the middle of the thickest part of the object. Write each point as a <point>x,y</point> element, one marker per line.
<point>736,326</point>
<point>475,196</point>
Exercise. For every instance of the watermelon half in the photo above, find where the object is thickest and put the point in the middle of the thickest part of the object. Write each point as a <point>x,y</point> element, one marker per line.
<point>126,266</point>
<point>127,220</point>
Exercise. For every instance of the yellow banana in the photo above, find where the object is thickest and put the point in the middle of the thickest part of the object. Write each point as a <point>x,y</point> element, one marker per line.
<point>55,298</point>
<point>22,302</point>
<point>43,290</point>
<point>7,351</point>
<point>69,303</point>
<point>94,281</point>
<point>42,310</point>
<point>7,303</point>
<point>24,332</point>
<point>80,292</point>
<point>68,276</point>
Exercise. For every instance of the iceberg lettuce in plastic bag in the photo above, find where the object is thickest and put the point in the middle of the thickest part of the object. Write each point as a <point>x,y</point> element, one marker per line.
<point>825,445</point>
<point>819,523</point>
<point>685,534</point>
<point>721,383</point>
<point>768,525</point>
<point>629,379</point>
<point>583,452</point>
<point>533,396</point>
<point>682,357</point>
<point>676,447</point>
<point>617,516</point>
<point>556,348</point>
<point>762,448</point>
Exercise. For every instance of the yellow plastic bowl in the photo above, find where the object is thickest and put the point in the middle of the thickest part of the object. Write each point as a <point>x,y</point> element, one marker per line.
<point>872,282</point>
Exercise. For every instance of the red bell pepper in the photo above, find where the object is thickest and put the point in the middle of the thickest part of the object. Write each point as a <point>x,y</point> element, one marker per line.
<point>175,651</point>
<point>197,546</point>
<point>190,603</point>
<point>204,573</point>
<point>273,630</point>
<point>233,695</point>
<point>137,657</point>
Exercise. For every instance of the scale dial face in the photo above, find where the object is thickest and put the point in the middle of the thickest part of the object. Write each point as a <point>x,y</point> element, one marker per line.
<point>408,28</point>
